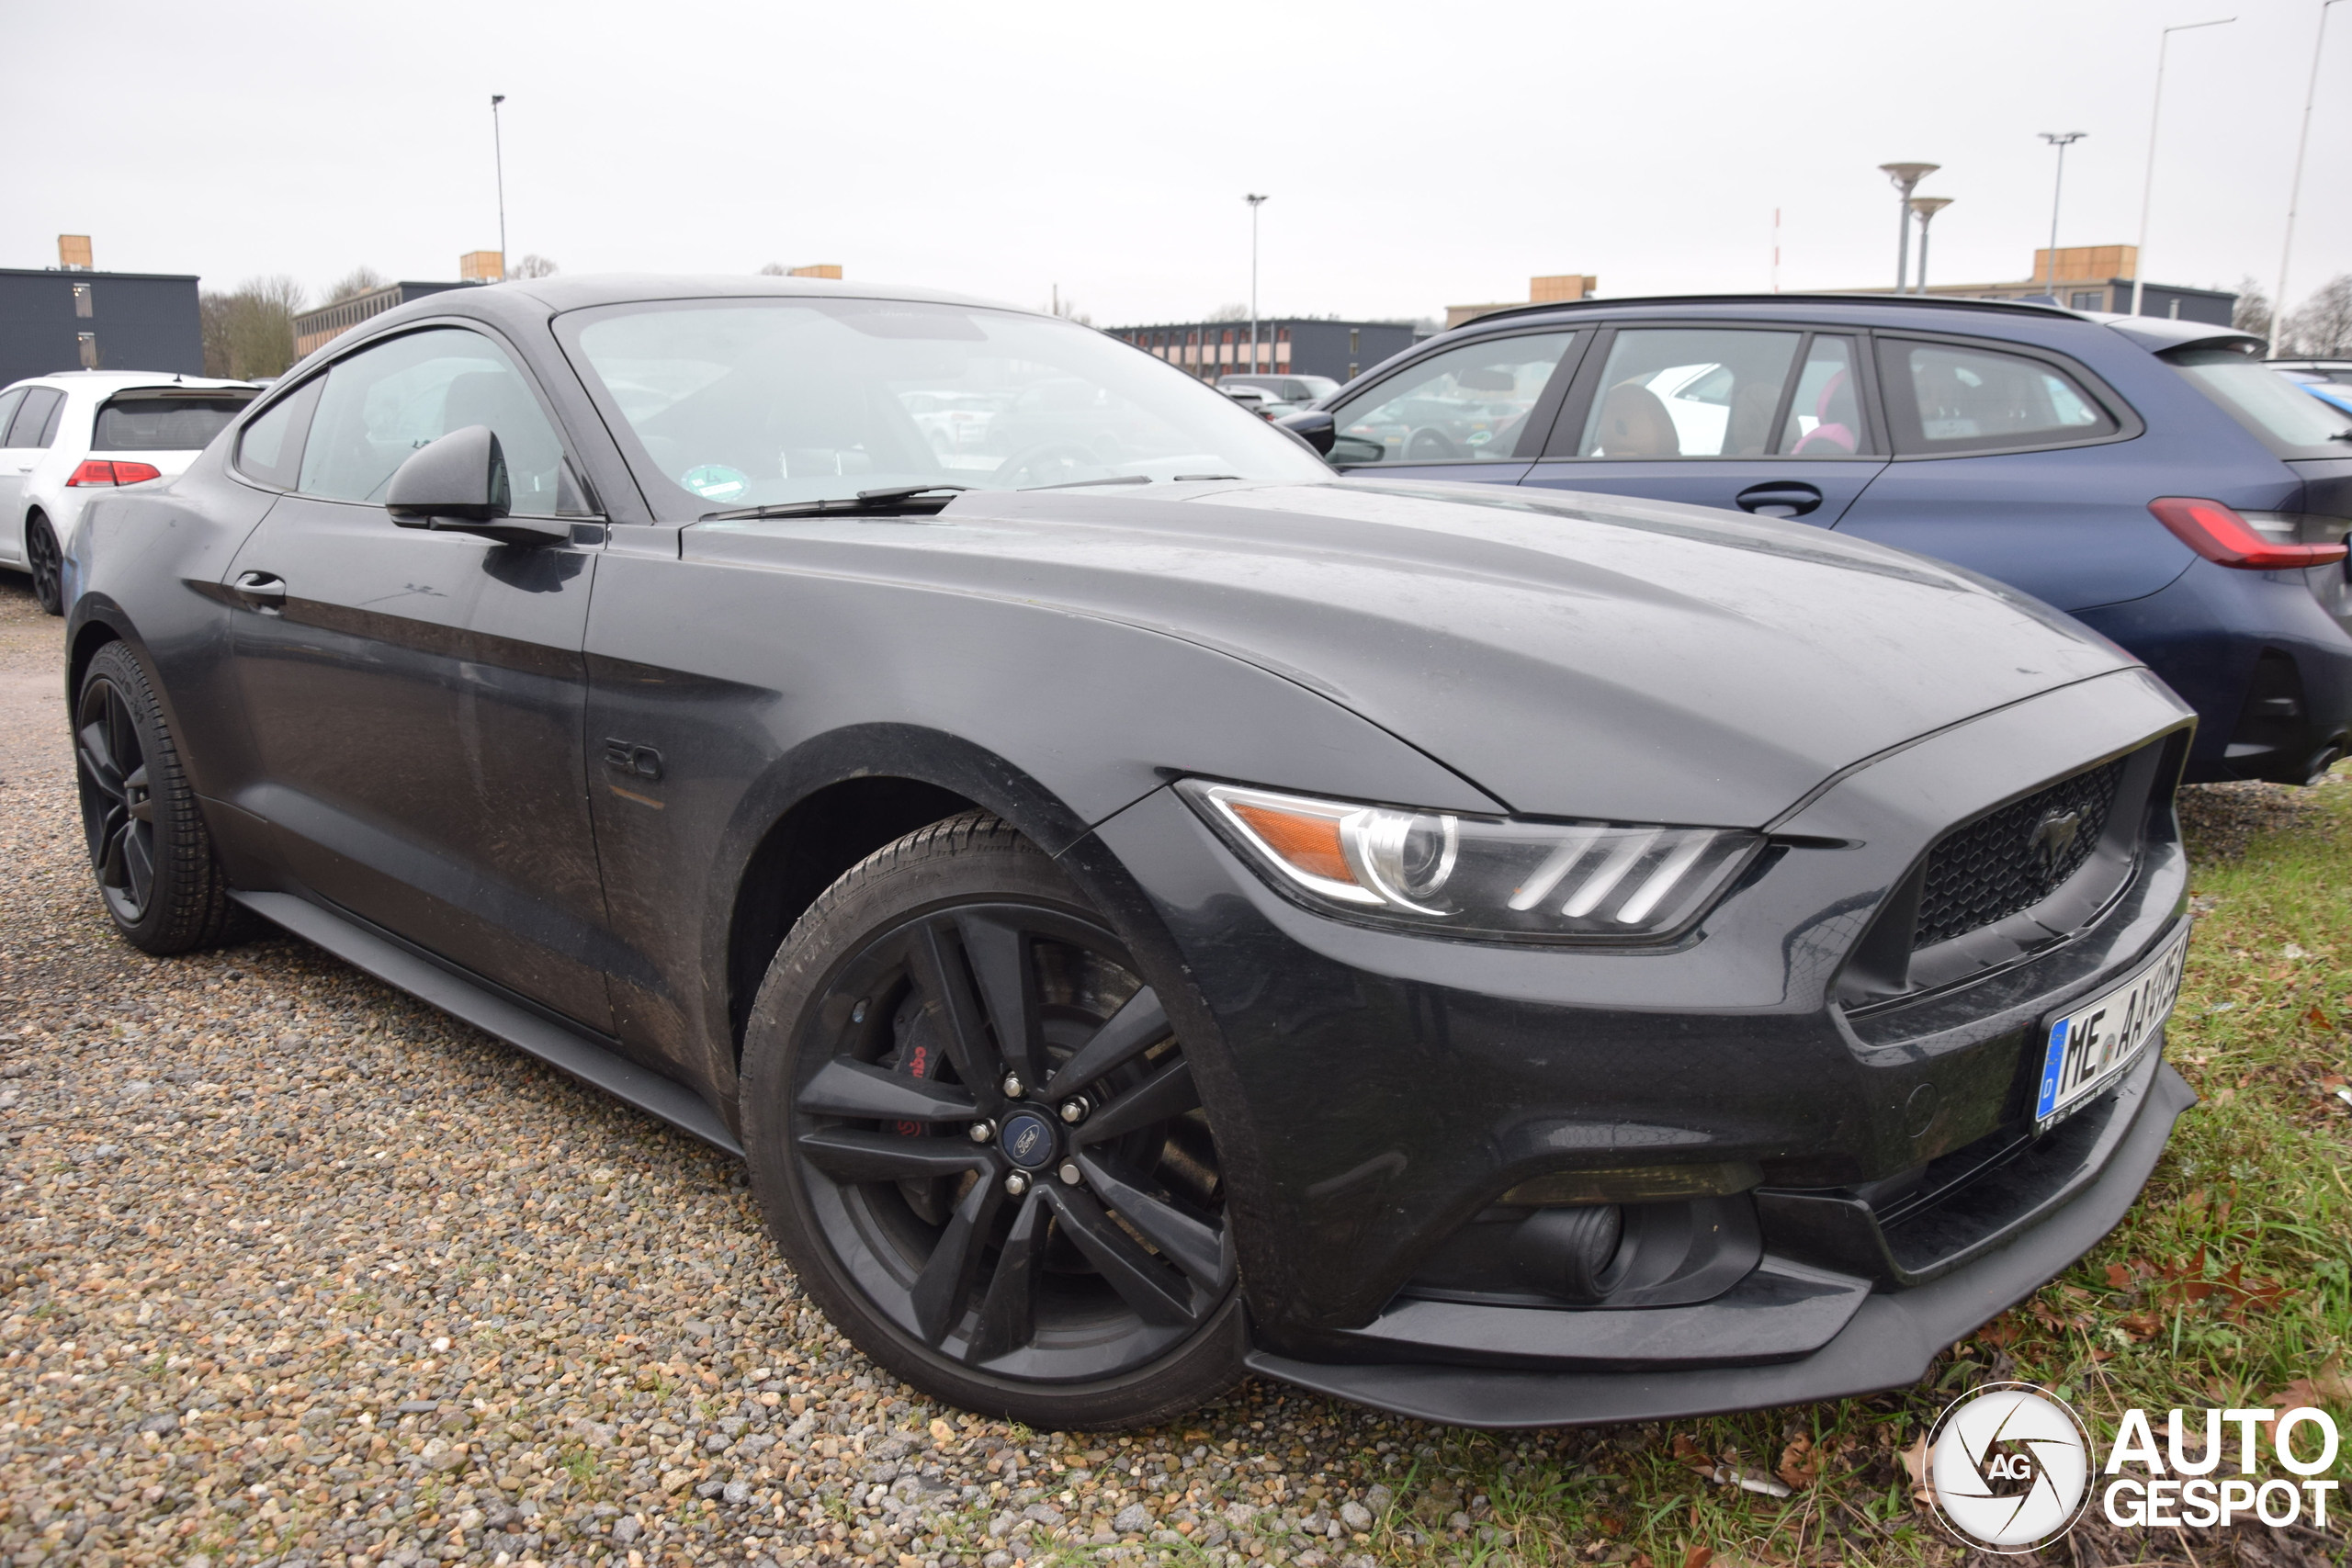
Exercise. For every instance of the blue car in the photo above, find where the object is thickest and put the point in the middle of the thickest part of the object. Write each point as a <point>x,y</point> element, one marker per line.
<point>2150,477</point>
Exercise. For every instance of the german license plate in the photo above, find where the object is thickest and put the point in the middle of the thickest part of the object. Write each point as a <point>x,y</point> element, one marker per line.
<point>2098,1043</point>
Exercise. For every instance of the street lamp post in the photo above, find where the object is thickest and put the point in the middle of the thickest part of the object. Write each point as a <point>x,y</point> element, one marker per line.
<point>2148,182</point>
<point>497,161</point>
<point>1255,202</point>
<point>1907,178</point>
<point>1927,207</point>
<point>2295,187</point>
<point>2062,140</point>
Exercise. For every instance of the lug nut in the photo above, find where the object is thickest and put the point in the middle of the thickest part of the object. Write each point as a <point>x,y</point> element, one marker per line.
<point>1074,1110</point>
<point>1013,1089</point>
<point>983,1131</point>
<point>1071,1176</point>
<point>1016,1183</point>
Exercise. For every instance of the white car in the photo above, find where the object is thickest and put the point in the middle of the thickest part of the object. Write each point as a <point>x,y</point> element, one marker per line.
<point>66,437</point>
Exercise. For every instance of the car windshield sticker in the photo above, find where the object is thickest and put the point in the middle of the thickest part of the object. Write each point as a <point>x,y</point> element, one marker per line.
<point>715,482</point>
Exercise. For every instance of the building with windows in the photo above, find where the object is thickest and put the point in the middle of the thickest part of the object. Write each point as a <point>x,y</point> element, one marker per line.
<point>1294,344</point>
<point>55,319</point>
<point>314,329</point>
<point>2092,277</point>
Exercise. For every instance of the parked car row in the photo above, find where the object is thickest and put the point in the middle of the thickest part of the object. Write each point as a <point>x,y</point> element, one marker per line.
<point>2151,477</point>
<point>1149,910</point>
<point>64,436</point>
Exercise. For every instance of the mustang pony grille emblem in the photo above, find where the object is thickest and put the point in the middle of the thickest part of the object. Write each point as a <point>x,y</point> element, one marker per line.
<point>2054,835</point>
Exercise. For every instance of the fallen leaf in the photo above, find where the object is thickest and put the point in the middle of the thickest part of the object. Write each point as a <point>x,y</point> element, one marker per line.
<point>2118,1278</point>
<point>1689,1454</point>
<point>1698,1557</point>
<point>2317,1019</point>
<point>1915,1461</point>
<point>1800,1466</point>
<point>2142,1326</point>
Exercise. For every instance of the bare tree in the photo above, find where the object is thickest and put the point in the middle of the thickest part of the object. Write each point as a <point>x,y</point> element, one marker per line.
<point>2252,312</point>
<point>535,265</point>
<point>2322,327</point>
<point>353,284</point>
<point>250,331</point>
<point>775,270</point>
<point>1230,313</point>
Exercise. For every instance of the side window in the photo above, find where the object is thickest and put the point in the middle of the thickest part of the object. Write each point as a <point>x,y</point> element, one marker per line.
<point>1941,398</point>
<point>1467,404</point>
<point>1826,415</point>
<point>384,402</point>
<point>35,421</point>
<point>270,449</point>
<point>1688,393</point>
<point>8,402</point>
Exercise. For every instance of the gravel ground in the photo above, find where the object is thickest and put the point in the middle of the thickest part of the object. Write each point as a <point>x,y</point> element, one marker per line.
<point>297,1271</point>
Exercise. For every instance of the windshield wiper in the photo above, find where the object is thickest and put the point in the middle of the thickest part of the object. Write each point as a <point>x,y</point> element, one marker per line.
<point>894,499</point>
<point>1115,480</point>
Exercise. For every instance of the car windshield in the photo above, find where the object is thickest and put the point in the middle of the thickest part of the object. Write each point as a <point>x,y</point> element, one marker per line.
<point>752,402</point>
<point>2289,420</point>
<point>142,422</point>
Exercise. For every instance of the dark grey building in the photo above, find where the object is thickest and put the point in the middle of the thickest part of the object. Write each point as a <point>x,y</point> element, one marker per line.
<point>54,319</point>
<point>1209,349</point>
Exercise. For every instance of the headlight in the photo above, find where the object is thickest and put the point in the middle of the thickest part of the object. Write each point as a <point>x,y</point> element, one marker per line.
<point>1477,876</point>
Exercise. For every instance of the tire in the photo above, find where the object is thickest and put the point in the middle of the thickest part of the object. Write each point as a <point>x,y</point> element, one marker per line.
<point>148,842</point>
<point>978,1271</point>
<point>47,564</point>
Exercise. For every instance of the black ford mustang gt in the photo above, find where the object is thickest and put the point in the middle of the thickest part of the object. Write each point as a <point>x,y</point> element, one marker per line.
<point>1147,910</point>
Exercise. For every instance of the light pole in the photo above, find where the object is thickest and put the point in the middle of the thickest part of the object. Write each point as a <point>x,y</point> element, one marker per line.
<point>2295,187</point>
<point>1927,207</point>
<point>497,161</point>
<point>1907,178</point>
<point>1255,202</point>
<point>2062,140</point>
<point>2148,183</point>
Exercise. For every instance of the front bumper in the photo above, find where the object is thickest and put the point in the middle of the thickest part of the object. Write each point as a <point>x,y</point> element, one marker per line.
<point>1887,1341</point>
<point>1377,1094</point>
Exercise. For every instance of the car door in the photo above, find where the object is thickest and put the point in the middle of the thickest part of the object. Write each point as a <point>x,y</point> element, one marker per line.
<point>1771,420</point>
<point>1475,412</point>
<point>26,430</point>
<point>416,697</point>
<point>2019,464</point>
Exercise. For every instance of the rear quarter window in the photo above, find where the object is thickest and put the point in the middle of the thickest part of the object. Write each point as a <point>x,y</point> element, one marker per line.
<point>2282,416</point>
<point>1945,398</point>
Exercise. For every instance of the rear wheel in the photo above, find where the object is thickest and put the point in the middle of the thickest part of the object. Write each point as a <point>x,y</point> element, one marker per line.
<point>147,839</point>
<point>976,1137</point>
<point>47,564</point>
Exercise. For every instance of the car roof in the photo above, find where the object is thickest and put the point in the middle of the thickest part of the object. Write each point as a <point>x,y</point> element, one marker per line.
<point>120,380</point>
<point>568,291</point>
<point>2154,333</point>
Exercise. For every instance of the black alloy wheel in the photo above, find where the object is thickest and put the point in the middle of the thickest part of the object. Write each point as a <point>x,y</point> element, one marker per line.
<point>47,564</point>
<point>980,1142</point>
<point>147,838</point>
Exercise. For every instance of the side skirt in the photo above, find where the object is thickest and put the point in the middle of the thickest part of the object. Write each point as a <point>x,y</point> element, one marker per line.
<point>558,1047</point>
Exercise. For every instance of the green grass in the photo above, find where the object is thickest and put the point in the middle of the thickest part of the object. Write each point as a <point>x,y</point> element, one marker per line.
<point>2225,1284</point>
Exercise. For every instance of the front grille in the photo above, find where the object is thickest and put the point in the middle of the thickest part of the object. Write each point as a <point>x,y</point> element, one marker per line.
<point>2014,858</point>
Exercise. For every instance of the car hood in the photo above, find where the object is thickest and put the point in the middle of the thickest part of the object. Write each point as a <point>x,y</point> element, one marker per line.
<point>1570,654</point>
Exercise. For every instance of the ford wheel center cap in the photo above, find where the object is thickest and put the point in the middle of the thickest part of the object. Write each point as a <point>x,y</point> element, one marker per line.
<point>1027,1140</point>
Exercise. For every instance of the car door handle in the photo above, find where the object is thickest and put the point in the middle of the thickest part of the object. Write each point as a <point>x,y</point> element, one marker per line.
<point>262,590</point>
<point>1783,498</point>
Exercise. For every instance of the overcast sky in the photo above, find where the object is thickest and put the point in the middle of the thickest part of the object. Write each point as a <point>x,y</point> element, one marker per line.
<point>1417,155</point>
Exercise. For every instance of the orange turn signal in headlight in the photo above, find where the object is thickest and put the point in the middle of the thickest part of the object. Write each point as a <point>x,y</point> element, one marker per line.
<point>1309,843</point>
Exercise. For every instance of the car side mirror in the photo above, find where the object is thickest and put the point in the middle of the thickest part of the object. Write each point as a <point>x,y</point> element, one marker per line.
<point>1313,426</point>
<point>458,484</point>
